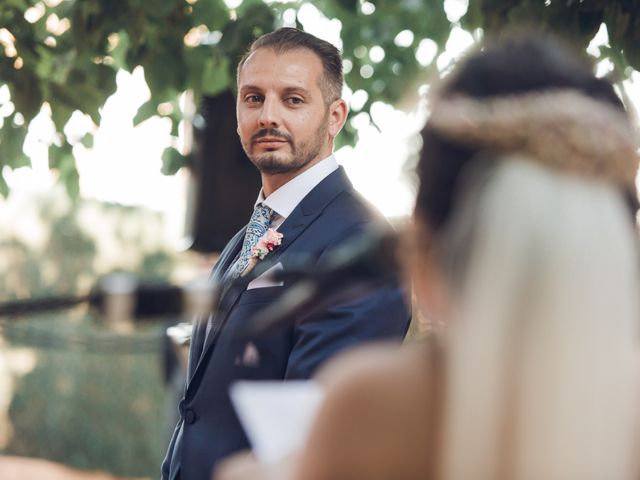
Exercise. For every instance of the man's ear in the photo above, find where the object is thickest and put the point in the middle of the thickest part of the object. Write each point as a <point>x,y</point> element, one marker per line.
<point>338,112</point>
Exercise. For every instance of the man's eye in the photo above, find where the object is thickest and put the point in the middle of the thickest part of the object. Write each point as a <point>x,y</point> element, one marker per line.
<point>252,98</point>
<point>294,100</point>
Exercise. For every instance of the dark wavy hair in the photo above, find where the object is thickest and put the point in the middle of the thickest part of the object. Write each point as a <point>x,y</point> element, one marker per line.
<point>516,63</point>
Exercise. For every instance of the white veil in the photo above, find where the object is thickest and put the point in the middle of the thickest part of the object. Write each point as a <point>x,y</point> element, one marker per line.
<point>543,354</point>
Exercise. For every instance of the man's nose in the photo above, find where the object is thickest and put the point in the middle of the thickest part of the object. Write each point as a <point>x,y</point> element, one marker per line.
<point>269,116</point>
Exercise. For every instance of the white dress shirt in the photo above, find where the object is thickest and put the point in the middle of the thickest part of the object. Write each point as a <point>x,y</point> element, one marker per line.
<point>288,196</point>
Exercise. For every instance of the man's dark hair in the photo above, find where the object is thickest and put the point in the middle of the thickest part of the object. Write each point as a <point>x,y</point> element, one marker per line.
<point>287,39</point>
<point>516,63</point>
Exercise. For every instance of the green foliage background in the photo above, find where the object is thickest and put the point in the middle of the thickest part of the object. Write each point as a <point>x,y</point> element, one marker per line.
<point>91,409</point>
<point>94,398</point>
<point>69,62</point>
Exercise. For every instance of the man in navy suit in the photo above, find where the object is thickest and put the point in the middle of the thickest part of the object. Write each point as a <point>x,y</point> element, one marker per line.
<point>289,110</point>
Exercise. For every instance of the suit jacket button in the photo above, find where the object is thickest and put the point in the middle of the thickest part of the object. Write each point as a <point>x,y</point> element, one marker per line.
<point>190,416</point>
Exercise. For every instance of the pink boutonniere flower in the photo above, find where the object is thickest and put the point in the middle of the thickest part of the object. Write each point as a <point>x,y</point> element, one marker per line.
<point>267,243</point>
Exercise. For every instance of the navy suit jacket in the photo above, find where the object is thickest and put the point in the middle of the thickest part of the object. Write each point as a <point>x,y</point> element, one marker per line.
<point>208,428</point>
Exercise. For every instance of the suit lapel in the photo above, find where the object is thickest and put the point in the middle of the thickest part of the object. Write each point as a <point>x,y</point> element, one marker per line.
<point>228,255</point>
<point>222,264</point>
<point>302,216</point>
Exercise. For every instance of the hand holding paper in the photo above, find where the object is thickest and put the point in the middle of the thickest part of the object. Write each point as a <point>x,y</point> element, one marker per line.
<point>276,416</point>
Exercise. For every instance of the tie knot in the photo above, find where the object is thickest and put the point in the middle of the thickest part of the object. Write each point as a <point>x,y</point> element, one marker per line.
<point>262,215</point>
<point>258,225</point>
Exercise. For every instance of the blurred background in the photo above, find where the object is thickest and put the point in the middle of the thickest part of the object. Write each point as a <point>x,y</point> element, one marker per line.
<point>118,153</point>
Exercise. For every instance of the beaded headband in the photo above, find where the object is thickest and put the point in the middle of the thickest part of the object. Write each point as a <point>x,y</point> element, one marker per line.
<point>561,129</point>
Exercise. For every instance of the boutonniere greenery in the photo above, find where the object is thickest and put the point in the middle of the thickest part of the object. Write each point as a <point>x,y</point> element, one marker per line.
<point>267,243</point>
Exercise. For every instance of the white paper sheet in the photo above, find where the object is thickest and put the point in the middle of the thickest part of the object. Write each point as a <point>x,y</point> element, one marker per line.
<point>276,416</point>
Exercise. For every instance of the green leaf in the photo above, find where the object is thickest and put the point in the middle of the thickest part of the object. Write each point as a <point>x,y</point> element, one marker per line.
<point>254,19</point>
<point>61,158</point>
<point>88,28</point>
<point>212,13</point>
<point>215,76</point>
<point>195,58</point>
<point>11,144</point>
<point>164,69</point>
<point>61,65</point>
<point>69,176</point>
<point>175,125</point>
<point>350,6</point>
<point>163,8</point>
<point>87,140</point>
<point>473,18</point>
<point>86,89</point>
<point>145,112</point>
<point>4,188</point>
<point>60,113</point>
<point>26,93</point>
<point>17,4</point>
<point>172,161</point>
<point>119,53</point>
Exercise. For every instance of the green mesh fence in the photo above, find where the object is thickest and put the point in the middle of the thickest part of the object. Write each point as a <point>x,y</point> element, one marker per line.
<point>85,396</point>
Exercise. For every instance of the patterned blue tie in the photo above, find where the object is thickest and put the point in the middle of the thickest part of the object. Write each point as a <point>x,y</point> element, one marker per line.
<point>258,225</point>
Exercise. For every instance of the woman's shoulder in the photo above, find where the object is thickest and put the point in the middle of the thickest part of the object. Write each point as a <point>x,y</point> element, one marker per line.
<point>386,378</point>
<point>377,417</point>
<point>375,366</point>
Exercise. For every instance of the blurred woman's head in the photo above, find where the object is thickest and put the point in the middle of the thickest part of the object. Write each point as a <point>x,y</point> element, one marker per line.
<point>526,212</point>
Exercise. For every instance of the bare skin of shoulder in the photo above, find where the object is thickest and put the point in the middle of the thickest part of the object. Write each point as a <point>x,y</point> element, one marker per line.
<point>376,422</point>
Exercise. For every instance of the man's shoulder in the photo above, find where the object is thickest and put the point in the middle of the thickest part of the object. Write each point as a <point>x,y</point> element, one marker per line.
<point>352,208</point>
<point>344,219</point>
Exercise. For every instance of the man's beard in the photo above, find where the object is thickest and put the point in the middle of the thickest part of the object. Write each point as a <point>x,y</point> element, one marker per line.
<point>280,162</point>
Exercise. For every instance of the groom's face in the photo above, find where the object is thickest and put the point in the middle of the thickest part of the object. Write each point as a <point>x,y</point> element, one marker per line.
<point>283,120</point>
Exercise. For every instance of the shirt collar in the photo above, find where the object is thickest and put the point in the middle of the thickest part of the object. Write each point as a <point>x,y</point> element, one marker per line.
<point>289,195</point>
